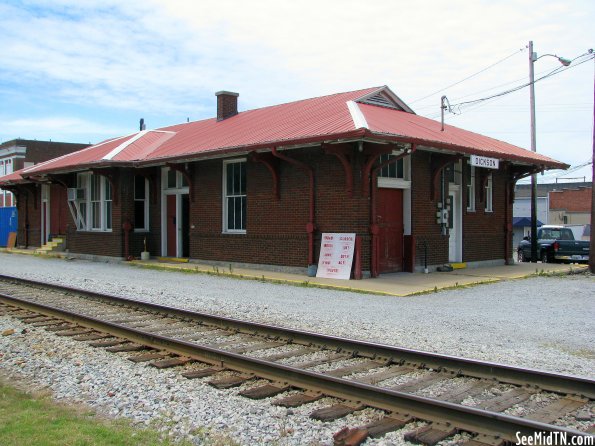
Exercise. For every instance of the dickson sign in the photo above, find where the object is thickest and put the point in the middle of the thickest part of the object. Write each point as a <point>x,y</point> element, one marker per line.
<point>482,161</point>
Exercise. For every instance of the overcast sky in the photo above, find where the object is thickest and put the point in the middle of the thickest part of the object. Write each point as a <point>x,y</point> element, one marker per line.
<point>83,71</point>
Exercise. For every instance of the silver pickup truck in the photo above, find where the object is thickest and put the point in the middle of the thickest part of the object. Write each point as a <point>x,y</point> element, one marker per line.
<point>555,244</point>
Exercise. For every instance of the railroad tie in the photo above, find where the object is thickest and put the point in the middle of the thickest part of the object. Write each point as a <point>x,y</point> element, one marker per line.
<point>334,412</point>
<point>376,429</point>
<point>298,399</point>
<point>129,347</point>
<point>92,336</point>
<point>356,368</point>
<point>350,436</point>
<point>290,354</point>
<point>557,409</point>
<point>431,434</point>
<point>473,388</point>
<point>170,362</point>
<point>62,327</point>
<point>266,391</point>
<point>202,373</point>
<point>109,343</point>
<point>48,323</point>
<point>255,347</point>
<point>74,332</point>
<point>383,375</point>
<point>38,319</point>
<point>148,357</point>
<point>485,440</point>
<point>230,381</point>
<point>507,400</point>
<point>334,357</point>
<point>390,423</point>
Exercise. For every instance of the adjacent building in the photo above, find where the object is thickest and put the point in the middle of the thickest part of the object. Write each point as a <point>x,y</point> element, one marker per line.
<point>260,187</point>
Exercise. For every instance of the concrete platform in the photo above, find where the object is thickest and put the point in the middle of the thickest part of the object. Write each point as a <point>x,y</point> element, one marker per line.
<point>395,284</point>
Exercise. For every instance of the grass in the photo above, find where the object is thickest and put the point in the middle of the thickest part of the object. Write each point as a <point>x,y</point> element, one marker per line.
<point>27,419</point>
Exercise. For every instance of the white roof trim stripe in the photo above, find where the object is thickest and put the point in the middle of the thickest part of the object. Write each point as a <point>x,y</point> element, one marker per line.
<point>125,144</point>
<point>359,120</point>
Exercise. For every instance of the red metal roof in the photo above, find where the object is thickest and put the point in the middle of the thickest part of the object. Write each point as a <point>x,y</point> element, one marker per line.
<point>294,123</point>
<point>399,123</point>
<point>12,178</point>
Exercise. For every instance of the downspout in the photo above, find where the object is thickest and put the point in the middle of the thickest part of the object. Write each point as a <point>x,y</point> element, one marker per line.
<point>311,226</point>
<point>374,229</point>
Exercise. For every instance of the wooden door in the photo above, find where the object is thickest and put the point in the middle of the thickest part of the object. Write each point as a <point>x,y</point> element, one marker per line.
<point>390,223</point>
<point>58,210</point>
<point>172,239</point>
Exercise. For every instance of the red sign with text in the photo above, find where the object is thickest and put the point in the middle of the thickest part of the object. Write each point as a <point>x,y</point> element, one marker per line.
<point>336,256</point>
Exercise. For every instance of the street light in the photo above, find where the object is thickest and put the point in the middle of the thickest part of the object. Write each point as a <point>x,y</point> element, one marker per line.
<point>532,59</point>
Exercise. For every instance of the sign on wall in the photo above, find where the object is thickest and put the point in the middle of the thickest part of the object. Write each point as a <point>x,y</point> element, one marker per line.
<point>483,161</point>
<point>336,256</point>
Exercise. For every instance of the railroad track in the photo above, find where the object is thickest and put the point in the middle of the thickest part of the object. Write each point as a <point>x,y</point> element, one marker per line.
<point>398,381</point>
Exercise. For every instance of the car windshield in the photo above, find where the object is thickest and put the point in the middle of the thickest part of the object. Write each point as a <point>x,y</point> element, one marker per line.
<point>558,234</point>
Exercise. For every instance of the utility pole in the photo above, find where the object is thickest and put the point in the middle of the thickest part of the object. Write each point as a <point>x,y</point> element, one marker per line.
<point>592,244</point>
<point>532,59</point>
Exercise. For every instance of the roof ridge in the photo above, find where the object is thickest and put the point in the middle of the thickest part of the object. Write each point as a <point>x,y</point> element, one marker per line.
<point>369,90</point>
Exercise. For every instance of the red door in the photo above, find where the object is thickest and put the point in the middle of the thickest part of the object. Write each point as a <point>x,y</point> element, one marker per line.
<point>58,210</point>
<point>390,222</point>
<point>171,226</point>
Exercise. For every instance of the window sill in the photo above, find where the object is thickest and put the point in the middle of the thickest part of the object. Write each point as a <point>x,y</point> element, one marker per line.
<point>95,231</point>
<point>234,232</point>
<point>394,183</point>
<point>141,230</point>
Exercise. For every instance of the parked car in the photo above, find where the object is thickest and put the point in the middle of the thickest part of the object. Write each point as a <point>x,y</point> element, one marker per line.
<point>555,244</point>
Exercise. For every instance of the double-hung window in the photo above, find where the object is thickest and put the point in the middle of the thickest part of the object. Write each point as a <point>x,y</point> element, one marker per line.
<point>470,188</point>
<point>141,203</point>
<point>94,202</point>
<point>234,196</point>
<point>489,192</point>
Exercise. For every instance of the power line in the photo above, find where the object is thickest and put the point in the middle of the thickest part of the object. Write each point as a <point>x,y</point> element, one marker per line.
<point>555,71</point>
<point>482,101</point>
<point>469,77</point>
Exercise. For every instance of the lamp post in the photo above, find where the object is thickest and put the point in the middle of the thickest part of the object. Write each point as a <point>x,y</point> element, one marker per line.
<point>532,59</point>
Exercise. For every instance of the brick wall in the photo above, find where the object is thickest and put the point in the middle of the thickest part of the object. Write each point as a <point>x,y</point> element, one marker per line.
<point>276,233</point>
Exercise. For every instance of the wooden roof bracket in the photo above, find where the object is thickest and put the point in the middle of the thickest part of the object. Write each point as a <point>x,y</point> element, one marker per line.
<point>109,176</point>
<point>342,153</point>
<point>186,174</point>
<point>56,180</point>
<point>439,163</point>
<point>374,153</point>
<point>272,164</point>
<point>519,175</point>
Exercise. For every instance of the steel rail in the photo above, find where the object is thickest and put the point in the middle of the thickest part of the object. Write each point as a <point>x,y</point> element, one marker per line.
<point>463,417</point>
<point>550,381</point>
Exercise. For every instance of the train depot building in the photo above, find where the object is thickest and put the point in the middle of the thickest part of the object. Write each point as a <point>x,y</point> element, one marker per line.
<point>260,187</point>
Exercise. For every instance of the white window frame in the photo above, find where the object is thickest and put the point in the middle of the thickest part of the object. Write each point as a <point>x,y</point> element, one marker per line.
<point>85,223</point>
<point>146,227</point>
<point>395,182</point>
<point>489,193</point>
<point>225,196</point>
<point>471,189</point>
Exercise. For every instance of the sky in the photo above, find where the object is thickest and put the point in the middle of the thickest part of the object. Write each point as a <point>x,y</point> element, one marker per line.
<point>84,71</point>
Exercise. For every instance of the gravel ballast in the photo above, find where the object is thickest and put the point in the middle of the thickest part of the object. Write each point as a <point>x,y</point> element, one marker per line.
<point>542,322</point>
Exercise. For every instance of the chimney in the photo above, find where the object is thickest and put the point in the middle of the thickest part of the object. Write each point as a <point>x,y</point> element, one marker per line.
<point>227,104</point>
<point>142,125</point>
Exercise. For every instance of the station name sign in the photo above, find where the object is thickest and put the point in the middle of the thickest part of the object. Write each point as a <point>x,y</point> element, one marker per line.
<point>482,161</point>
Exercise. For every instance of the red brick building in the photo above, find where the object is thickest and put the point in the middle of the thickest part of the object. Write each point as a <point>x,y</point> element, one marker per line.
<point>261,186</point>
<point>20,153</point>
